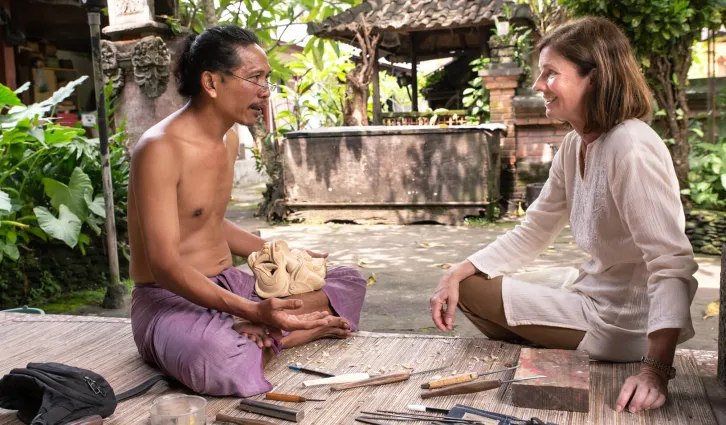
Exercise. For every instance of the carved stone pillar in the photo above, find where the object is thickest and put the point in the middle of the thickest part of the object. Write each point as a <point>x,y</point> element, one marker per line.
<point>139,64</point>
<point>133,18</point>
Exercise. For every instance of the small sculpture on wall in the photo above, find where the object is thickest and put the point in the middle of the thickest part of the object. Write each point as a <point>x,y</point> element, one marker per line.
<point>110,66</point>
<point>151,61</point>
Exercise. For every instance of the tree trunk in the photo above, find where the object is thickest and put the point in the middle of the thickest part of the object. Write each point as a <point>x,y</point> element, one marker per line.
<point>355,112</point>
<point>210,13</point>
<point>671,97</point>
<point>272,207</point>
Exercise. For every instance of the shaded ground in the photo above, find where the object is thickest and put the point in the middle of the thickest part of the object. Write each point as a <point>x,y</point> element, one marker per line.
<point>406,273</point>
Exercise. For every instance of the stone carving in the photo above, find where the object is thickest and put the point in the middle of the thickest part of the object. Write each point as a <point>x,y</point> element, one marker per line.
<point>151,61</point>
<point>110,66</point>
<point>130,7</point>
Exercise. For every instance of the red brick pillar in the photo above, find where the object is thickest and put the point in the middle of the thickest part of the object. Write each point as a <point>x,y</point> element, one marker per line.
<point>502,80</point>
<point>502,83</point>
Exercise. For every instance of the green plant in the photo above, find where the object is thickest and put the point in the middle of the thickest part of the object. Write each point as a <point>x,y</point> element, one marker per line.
<point>476,96</point>
<point>271,22</point>
<point>662,33</point>
<point>707,175</point>
<point>48,175</point>
<point>517,38</point>
<point>316,90</point>
<point>433,78</point>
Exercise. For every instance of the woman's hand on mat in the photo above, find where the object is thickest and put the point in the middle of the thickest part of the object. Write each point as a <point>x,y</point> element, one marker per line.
<point>281,314</point>
<point>259,334</point>
<point>648,390</point>
<point>447,294</point>
<point>316,255</point>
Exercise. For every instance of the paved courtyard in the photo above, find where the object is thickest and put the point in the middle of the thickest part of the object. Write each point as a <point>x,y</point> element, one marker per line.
<point>406,270</point>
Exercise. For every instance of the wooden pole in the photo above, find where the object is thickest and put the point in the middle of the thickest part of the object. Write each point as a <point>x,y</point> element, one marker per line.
<point>7,55</point>
<point>377,120</point>
<point>711,98</point>
<point>414,82</point>
<point>115,291</point>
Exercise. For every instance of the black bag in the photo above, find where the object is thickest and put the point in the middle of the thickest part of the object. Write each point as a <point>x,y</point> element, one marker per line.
<point>56,394</point>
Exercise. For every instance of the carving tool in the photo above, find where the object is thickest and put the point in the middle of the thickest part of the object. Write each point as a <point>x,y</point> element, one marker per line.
<point>460,379</point>
<point>339,379</point>
<point>422,408</point>
<point>369,421</point>
<point>394,416</point>
<point>311,371</point>
<point>240,421</point>
<point>473,387</point>
<point>289,397</point>
<point>383,379</point>
<point>272,410</point>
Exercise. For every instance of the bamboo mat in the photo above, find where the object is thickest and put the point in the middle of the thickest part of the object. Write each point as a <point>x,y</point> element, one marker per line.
<point>105,345</point>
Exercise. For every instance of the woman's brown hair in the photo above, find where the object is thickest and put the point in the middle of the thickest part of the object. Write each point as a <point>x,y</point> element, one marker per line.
<point>619,91</point>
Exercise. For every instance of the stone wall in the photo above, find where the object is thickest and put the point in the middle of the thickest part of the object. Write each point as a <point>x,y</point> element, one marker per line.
<point>706,230</point>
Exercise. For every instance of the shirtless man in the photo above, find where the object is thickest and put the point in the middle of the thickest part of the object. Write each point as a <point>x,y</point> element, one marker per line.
<point>194,315</point>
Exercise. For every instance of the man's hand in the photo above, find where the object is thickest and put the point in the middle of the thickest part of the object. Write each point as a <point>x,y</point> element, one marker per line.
<point>647,389</point>
<point>316,255</point>
<point>258,334</point>
<point>279,314</point>
<point>447,294</point>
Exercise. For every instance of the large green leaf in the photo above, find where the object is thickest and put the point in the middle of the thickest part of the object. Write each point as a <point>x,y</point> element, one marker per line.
<point>97,206</point>
<point>66,227</point>
<point>23,88</point>
<point>20,112</point>
<point>8,97</point>
<point>5,204</point>
<point>10,249</point>
<point>73,195</point>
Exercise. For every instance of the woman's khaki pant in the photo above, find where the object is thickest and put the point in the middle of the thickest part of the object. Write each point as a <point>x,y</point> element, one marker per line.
<point>481,301</point>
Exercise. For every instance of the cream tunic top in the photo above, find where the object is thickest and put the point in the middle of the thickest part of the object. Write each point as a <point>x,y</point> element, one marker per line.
<point>624,210</point>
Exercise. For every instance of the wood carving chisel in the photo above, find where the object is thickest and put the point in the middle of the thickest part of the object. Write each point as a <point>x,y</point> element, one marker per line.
<point>417,417</point>
<point>473,387</point>
<point>339,379</point>
<point>272,410</point>
<point>422,408</point>
<point>311,371</point>
<point>383,379</point>
<point>460,379</point>
<point>289,397</point>
<point>363,419</point>
<point>240,421</point>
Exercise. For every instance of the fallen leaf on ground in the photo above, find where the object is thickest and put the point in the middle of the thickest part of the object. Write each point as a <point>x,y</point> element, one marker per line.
<point>371,279</point>
<point>364,265</point>
<point>429,244</point>
<point>445,266</point>
<point>712,309</point>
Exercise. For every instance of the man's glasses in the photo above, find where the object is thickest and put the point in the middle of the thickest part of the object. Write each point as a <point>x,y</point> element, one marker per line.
<point>269,86</point>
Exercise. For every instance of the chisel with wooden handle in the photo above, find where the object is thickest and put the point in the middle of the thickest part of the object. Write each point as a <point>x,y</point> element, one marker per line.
<point>473,387</point>
<point>338,379</point>
<point>383,379</point>
<point>289,397</point>
<point>460,379</point>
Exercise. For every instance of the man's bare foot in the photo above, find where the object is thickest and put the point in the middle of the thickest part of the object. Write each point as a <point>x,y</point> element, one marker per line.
<point>337,327</point>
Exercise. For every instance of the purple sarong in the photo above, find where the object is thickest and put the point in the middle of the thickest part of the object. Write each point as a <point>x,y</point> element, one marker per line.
<point>198,346</point>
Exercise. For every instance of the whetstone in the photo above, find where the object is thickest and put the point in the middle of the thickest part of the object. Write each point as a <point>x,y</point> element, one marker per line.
<point>567,386</point>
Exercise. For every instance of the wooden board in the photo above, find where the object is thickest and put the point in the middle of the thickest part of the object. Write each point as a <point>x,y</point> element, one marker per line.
<point>566,386</point>
<point>105,345</point>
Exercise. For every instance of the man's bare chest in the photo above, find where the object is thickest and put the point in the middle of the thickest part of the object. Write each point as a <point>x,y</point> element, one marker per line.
<point>205,188</point>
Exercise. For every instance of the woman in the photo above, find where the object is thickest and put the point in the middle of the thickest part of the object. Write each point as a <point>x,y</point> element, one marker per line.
<point>614,180</point>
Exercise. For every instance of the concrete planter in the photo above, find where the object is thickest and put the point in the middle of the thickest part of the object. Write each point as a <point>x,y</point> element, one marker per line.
<point>401,175</point>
